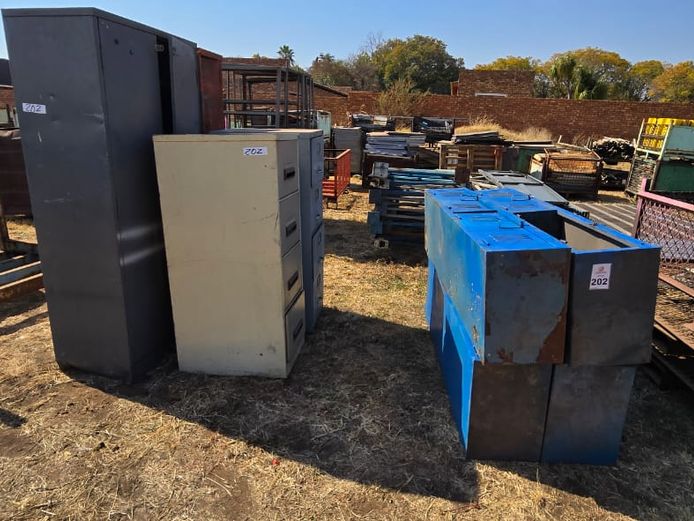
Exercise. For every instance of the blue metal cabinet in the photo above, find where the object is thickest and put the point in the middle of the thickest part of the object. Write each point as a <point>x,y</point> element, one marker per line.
<point>586,413</point>
<point>499,409</point>
<point>613,286</point>
<point>508,281</point>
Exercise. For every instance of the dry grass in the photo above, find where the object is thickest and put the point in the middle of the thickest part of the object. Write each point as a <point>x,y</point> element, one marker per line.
<point>361,430</point>
<point>21,229</point>
<point>485,124</point>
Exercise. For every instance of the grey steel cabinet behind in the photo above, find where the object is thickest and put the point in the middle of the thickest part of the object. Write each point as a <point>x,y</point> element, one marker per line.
<point>103,86</point>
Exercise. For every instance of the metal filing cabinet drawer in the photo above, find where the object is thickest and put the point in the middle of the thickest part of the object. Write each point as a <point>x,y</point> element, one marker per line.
<point>317,166</point>
<point>233,251</point>
<point>290,222</point>
<point>317,303</point>
<point>291,275</point>
<point>295,329</point>
<point>315,209</point>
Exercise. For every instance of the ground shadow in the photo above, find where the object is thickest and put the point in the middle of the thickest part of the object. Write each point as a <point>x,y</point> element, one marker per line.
<point>651,476</point>
<point>19,306</point>
<point>365,402</point>
<point>10,419</point>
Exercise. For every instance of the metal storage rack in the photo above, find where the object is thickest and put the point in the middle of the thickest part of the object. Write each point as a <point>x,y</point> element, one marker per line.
<point>232,225</point>
<point>266,96</point>
<point>98,87</point>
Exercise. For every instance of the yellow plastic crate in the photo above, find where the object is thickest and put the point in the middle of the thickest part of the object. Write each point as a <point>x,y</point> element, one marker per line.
<point>655,130</point>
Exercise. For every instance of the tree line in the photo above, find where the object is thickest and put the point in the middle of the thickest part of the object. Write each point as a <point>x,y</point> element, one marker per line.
<point>423,64</point>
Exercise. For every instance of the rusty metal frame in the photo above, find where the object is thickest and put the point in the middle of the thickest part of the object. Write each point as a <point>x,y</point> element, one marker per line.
<point>239,110</point>
<point>338,166</point>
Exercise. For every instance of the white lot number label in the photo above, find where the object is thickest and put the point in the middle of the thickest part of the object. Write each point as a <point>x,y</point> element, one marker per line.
<point>600,276</point>
<point>35,108</point>
<point>254,151</point>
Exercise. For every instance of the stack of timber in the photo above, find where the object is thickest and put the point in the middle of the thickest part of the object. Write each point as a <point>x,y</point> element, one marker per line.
<point>398,198</point>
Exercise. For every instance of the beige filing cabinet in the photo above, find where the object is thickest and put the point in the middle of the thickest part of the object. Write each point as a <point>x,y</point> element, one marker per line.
<point>231,213</point>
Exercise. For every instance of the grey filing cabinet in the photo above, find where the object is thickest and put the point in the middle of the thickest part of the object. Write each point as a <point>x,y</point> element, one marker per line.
<point>232,227</point>
<point>310,149</point>
<point>350,137</point>
<point>97,87</point>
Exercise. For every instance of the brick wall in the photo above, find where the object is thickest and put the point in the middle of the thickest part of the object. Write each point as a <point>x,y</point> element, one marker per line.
<point>569,118</point>
<point>6,96</point>
<point>511,83</point>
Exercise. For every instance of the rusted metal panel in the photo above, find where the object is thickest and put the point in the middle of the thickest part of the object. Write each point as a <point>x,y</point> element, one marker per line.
<point>508,281</point>
<point>14,190</point>
<point>211,90</point>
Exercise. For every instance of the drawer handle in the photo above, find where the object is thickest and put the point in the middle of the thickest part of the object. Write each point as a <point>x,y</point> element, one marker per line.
<point>297,329</point>
<point>290,228</point>
<point>289,172</point>
<point>292,280</point>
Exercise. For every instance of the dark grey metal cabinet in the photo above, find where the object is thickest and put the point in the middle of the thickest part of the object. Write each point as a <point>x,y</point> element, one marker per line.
<point>99,87</point>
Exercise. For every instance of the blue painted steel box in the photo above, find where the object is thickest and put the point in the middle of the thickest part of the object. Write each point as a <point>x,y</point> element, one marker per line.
<point>614,279</point>
<point>499,409</point>
<point>508,281</point>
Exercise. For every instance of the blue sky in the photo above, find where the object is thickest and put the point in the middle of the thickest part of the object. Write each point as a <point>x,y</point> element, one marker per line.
<point>478,30</point>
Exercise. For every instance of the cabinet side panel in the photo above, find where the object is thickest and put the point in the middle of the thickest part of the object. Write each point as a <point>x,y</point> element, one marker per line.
<point>55,64</point>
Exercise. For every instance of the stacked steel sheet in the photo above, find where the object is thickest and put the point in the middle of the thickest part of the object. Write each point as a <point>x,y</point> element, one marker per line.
<point>398,144</point>
<point>539,319</point>
<point>398,198</point>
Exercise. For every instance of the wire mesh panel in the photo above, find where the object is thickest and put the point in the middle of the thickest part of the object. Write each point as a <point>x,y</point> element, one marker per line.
<point>669,223</point>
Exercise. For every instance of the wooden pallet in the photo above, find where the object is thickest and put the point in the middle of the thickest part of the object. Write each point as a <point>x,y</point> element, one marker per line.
<point>472,157</point>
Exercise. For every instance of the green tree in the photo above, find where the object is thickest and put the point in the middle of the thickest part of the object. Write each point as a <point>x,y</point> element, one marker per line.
<point>562,73</point>
<point>287,53</point>
<point>607,68</point>
<point>364,71</point>
<point>510,63</point>
<point>422,59</point>
<point>573,80</point>
<point>675,84</point>
<point>640,78</point>
<point>328,70</point>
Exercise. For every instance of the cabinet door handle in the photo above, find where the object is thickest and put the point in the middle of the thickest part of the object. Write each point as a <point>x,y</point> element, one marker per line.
<point>289,172</point>
<point>292,280</point>
<point>298,328</point>
<point>290,228</point>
